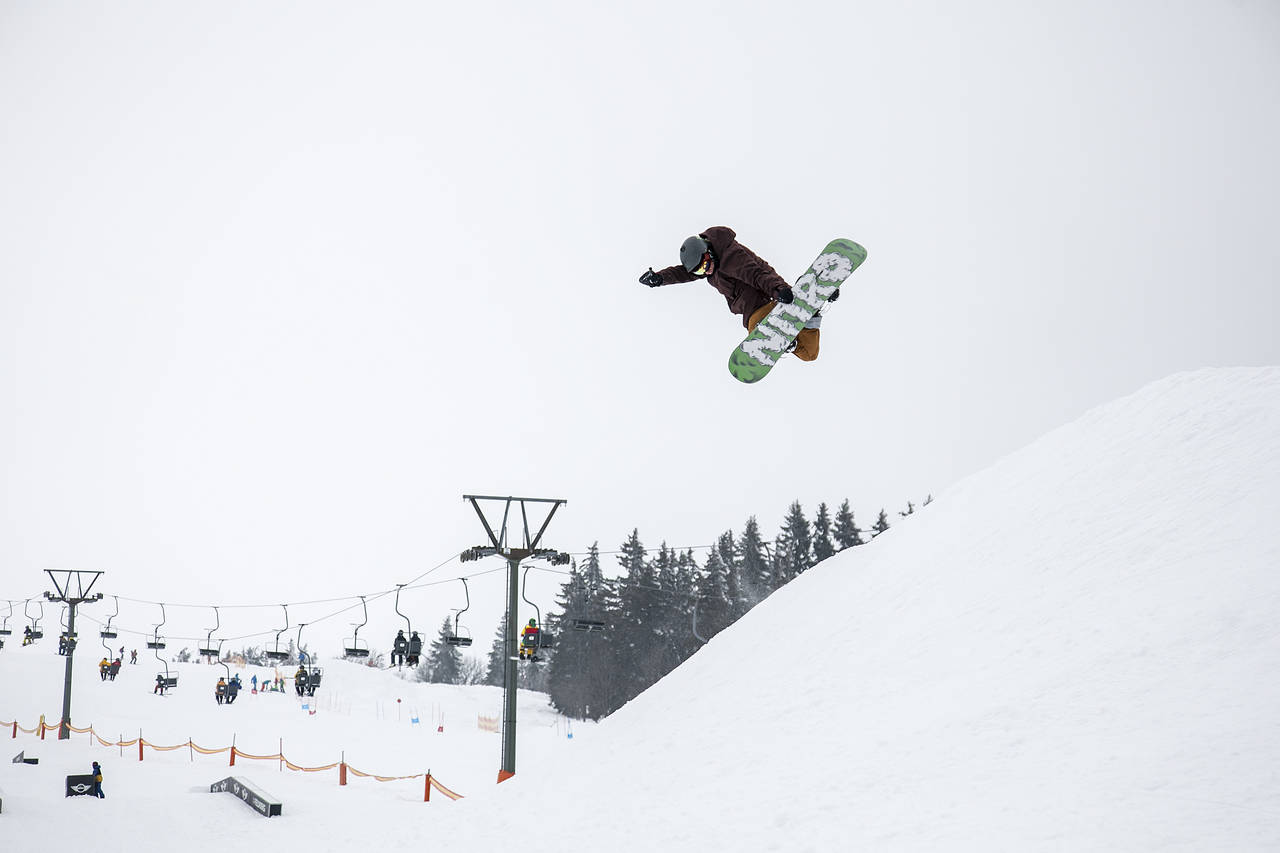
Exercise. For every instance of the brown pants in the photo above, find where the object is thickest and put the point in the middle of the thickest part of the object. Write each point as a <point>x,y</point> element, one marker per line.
<point>806,342</point>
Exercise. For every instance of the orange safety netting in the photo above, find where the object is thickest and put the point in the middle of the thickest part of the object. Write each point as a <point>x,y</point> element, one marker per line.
<point>279,756</point>
<point>383,778</point>
<point>442,789</point>
<point>165,748</point>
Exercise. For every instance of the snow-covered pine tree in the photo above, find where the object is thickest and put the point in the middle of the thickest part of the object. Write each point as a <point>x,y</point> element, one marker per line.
<point>444,662</point>
<point>823,547</point>
<point>881,525</point>
<point>794,545</point>
<point>755,570</point>
<point>715,606</point>
<point>495,670</point>
<point>847,533</point>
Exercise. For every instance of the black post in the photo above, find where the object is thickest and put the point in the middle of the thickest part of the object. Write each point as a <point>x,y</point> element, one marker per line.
<point>71,599</point>
<point>64,727</point>
<point>499,546</point>
<point>511,678</point>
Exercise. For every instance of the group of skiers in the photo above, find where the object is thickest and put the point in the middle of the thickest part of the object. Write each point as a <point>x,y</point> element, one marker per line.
<point>406,651</point>
<point>108,669</point>
<point>225,692</point>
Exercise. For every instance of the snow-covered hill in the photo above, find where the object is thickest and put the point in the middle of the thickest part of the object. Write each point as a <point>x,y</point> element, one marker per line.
<point>1073,650</point>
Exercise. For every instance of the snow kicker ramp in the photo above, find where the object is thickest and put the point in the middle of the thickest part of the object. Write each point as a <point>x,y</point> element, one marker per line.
<point>1075,649</point>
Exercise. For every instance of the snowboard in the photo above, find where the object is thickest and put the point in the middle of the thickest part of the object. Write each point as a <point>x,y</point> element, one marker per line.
<point>756,356</point>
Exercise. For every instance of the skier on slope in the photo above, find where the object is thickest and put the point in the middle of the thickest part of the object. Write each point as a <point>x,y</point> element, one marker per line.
<point>748,283</point>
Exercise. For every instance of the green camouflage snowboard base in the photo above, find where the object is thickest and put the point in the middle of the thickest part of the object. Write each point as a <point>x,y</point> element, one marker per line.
<point>757,355</point>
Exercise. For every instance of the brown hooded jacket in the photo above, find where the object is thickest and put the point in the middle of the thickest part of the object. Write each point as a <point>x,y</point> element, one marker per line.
<point>745,279</point>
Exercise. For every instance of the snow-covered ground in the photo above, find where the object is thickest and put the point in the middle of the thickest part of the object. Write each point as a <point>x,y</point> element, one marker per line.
<point>1072,650</point>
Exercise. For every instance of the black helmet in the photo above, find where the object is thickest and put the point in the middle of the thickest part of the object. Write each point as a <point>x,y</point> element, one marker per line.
<point>694,254</point>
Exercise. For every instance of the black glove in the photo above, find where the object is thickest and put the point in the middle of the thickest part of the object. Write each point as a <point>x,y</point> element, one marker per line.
<point>835,294</point>
<point>651,278</point>
<point>784,294</point>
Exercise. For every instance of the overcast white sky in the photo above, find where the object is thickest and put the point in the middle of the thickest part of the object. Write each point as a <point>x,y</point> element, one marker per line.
<point>279,283</point>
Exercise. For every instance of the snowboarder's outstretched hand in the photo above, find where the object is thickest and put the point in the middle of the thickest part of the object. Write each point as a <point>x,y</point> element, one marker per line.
<point>784,294</point>
<point>651,278</point>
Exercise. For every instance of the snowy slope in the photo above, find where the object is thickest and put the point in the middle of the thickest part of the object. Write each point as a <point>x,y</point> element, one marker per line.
<point>1071,650</point>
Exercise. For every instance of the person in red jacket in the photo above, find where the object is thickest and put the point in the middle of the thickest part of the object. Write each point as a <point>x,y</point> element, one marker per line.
<point>748,283</point>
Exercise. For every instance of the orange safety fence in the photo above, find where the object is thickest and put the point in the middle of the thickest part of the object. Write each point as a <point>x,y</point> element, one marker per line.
<point>453,795</point>
<point>343,767</point>
<point>351,769</point>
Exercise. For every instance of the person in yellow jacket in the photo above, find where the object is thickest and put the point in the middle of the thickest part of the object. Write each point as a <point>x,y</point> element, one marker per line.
<point>220,691</point>
<point>529,640</point>
<point>103,666</point>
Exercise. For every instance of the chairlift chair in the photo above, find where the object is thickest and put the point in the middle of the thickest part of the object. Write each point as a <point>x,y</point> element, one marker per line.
<point>535,641</point>
<point>458,638</point>
<point>107,633</point>
<point>36,632</point>
<point>279,652</point>
<point>4,620</point>
<point>208,649</point>
<point>170,680</point>
<point>156,641</point>
<point>354,647</point>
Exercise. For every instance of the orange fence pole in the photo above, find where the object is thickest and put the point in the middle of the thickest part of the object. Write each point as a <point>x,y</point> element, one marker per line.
<point>426,796</point>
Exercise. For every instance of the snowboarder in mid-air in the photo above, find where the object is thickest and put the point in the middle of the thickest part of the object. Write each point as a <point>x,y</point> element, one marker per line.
<point>748,283</point>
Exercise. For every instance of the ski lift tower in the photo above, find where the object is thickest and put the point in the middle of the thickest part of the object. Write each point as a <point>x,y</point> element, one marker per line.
<point>500,546</point>
<point>73,586</point>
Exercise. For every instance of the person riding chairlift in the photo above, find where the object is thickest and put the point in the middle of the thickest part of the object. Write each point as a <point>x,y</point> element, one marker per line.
<point>529,640</point>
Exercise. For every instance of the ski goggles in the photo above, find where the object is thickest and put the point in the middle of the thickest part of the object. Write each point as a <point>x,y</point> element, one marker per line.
<point>707,266</point>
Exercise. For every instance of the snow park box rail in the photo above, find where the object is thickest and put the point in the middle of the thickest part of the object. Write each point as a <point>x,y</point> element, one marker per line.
<point>255,798</point>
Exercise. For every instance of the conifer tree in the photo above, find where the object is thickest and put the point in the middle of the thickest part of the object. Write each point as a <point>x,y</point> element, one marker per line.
<point>726,551</point>
<point>755,567</point>
<point>444,662</point>
<point>794,545</point>
<point>496,669</point>
<point>881,525</point>
<point>823,547</point>
<point>714,603</point>
<point>847,534</point>
<point>578,679</point>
